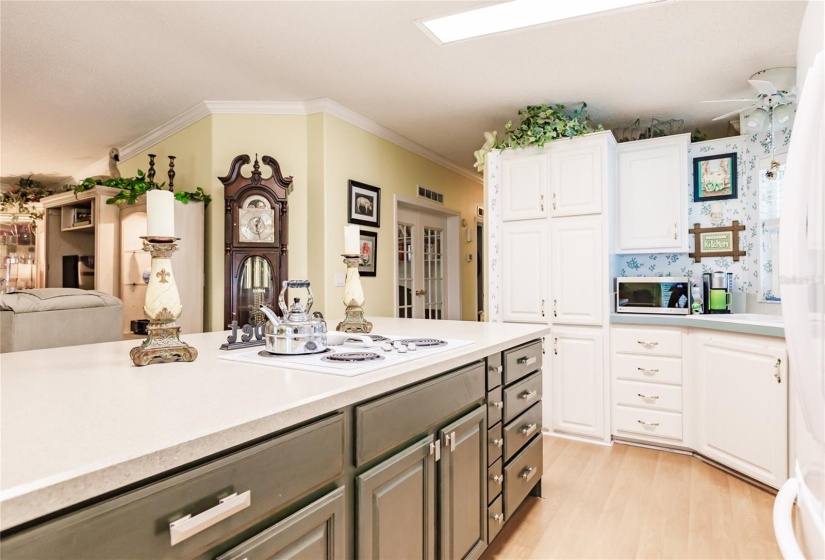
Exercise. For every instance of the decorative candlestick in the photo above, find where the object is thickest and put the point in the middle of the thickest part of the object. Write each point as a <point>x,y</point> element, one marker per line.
<point>162,307</point>
<point>354,322</point>
<point>171,172</point>
<point>151,173</point>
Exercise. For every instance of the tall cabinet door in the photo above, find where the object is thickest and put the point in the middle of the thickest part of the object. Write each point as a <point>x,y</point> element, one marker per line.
<point>576,177</point>
<point>741,403</point>
<point>463,487</point>
<point>576,268</point>
<point>523,185</point>
<point>577,382</point>
<point>524,254</point>
<point>396,506</point>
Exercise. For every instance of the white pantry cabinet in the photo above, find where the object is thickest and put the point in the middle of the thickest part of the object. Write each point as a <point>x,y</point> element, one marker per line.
<point>577,268</point>
<point>524,184</point>
<point>577,169</point>
<point>652,195</point>
<point>741,403</point>
<point>577,382</point>
<point>524,255</point>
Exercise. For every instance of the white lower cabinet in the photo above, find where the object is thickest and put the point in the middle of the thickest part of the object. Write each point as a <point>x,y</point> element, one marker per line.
<point>741,399</point>
<point>577,403</point>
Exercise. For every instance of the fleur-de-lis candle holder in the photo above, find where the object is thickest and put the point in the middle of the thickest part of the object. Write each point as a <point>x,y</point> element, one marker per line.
<point>162,305</point>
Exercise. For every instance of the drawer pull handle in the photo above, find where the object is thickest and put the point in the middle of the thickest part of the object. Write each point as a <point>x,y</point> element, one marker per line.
<point>525,361</point>
<point>651,371</point>
<point>497,369</point>
<point>527,395</point>
<point>776,372</point>
<point>650,398</point>
<point>528,429</point>
<point>528,473</point>
<point>499,518</point>
<point>498,442</point>
<point>497,478</point>
<point>643,423</point>
<point>189,526</point>
<point>497,404</point>
<point>647,343</point>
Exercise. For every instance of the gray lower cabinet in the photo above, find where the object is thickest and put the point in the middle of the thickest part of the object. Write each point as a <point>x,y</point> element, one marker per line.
<point>317,532</point>
<point>396,505</point>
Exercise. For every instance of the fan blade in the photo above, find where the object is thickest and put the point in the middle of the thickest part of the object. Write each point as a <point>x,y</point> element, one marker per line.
<point>740,100</point>
<point>763,86</point>
<point>734,112</point>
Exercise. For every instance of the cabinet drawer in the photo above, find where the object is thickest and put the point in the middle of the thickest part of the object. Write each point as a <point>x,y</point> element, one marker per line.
<point>521,396</point>
<point>521,475</point>
<point>629,421</point>
<point>275,473</point>
<point>495,480</point>
<point>522,360</point>
<point>521,430</point>
<point>494,371</point>
<point>495,519</point>
<point>390,421</point>
<point>495,442</point>
<point>495,405</point>
<point>653,369</point>
<point>657,342</point>
<point>649,395</point>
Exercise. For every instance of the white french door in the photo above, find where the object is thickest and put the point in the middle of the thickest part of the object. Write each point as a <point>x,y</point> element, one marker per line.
<point>422,265</point>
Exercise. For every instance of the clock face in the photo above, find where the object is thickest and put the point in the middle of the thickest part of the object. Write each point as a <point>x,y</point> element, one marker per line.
<point>256,225</point>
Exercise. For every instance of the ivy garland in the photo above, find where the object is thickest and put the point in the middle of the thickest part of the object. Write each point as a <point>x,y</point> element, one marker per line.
<point>543,123</point>
<point>133,187</point>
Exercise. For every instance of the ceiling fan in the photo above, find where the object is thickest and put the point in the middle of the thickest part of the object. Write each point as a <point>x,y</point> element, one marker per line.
<point>775,95</point>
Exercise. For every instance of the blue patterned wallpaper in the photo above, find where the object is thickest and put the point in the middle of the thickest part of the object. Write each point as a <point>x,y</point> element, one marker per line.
<point>745,208</point>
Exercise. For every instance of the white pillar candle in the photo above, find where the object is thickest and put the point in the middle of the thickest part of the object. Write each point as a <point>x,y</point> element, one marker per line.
<point>352,240</point>
<point>160,214</point>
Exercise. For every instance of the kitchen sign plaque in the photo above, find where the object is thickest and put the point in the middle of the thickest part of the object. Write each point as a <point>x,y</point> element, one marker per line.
<point>717,241</point>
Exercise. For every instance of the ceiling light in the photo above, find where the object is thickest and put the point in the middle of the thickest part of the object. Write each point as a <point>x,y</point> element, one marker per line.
<point>783,113</point>
<point>756,121</point>
<point>516,14</point>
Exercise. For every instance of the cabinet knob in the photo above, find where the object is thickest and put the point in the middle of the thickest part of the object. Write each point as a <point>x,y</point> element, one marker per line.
<point>525,361</point>
<point>528,429</point>
<point>498,442</point>
<point>527,395</point>
<point>497,478</point>
<point>497,404</point>
<point>499,517</point>
<point>527,473</point>
<point>497,369</point>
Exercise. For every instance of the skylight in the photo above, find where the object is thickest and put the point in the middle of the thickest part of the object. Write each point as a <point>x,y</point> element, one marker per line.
<point>517,14</point>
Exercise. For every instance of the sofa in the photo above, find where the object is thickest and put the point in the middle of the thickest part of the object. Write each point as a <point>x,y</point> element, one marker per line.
<point>53,317</point>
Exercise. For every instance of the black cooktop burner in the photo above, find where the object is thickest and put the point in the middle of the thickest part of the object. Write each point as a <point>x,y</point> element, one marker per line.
<point>374,337</point>
<point>423,342</point>
<point>352,357</point>
<point>268,354</point>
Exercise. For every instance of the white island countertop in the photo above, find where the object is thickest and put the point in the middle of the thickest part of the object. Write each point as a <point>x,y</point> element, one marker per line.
<point>80,421</point>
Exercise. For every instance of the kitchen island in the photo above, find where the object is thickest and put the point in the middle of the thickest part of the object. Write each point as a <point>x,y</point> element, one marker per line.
<point>81,423</point>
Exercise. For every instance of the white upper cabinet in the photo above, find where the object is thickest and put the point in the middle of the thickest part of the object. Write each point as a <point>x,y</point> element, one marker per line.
<point>523,185</point>
<point>652,201</point>
<point>577,170</point>
<point>577,267</point>
<point>524,255</point>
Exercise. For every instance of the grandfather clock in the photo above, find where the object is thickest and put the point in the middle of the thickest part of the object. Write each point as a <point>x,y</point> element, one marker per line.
<point>255,238</point>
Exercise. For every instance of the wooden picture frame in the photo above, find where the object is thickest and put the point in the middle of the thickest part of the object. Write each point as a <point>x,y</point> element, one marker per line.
<point>716,241</point>
<point>369,253</point>
<point>363,204</point>
<point>715,177</point>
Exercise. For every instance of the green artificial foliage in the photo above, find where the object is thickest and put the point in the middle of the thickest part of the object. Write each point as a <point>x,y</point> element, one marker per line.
<point>543,123</point>
<point>133,187</point>
<point>698,136</point>
<point>18,199</point>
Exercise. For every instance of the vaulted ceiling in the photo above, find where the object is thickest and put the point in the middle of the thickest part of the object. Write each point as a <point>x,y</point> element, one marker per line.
<point>80,77</point>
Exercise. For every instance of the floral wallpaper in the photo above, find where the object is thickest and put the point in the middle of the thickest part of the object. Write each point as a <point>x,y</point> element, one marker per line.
<point>492,223</point>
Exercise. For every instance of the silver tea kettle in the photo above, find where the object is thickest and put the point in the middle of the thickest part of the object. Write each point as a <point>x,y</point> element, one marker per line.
<point>297,332</point>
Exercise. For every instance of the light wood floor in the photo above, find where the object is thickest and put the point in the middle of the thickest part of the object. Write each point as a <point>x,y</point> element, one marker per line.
<point>630,502</point>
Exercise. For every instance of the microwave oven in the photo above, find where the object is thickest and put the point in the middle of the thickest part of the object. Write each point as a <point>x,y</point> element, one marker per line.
<point>667,295</point>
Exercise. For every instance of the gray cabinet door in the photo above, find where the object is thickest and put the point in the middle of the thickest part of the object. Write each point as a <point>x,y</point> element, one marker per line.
<point>463,487</point>
<point>396,506</point>
<point>317,532</point>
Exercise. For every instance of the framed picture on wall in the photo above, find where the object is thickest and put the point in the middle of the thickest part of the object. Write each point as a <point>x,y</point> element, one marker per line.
<point>714,177</point>
<point>369,253</point>
<point>364,206</point>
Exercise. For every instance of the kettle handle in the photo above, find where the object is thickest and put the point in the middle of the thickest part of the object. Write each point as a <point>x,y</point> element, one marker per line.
<point>294,284</point>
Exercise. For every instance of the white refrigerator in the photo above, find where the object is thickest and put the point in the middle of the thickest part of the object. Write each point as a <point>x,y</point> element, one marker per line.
<point>799,514</point>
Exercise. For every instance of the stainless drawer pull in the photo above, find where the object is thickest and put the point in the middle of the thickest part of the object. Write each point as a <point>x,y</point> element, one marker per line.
<point>188,526</point>
<point>525,361</point>
<point>528,473</point>
<point>646,370</point>
<point>498,442</point>
<point>497,404</point>
<point>497,369</point>
<point>527,395</point>
<point>646,343</point>
<point>499,517</point>
<point>643,423</point>
<point>497,478</point>
<point>651,397</point>
<point>528,429</point>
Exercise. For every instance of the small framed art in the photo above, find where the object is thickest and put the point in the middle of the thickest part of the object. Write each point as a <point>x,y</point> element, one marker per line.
<point>369,248</point>
<point>714,177</point>
<point>364,206</point>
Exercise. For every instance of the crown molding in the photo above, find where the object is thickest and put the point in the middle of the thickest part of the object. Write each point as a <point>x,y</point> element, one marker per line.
<point>311,107</point>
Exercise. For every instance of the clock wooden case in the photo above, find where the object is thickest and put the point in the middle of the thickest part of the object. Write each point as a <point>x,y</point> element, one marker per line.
<point>255,236</point>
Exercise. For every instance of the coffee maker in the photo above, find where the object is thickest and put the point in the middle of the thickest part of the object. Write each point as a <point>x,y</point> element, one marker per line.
<point>718,292</point>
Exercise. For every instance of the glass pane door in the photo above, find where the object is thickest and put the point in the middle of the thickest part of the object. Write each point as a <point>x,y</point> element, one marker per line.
<point>422,267</point>
<point>433,273</point>
<point>405,271</point>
